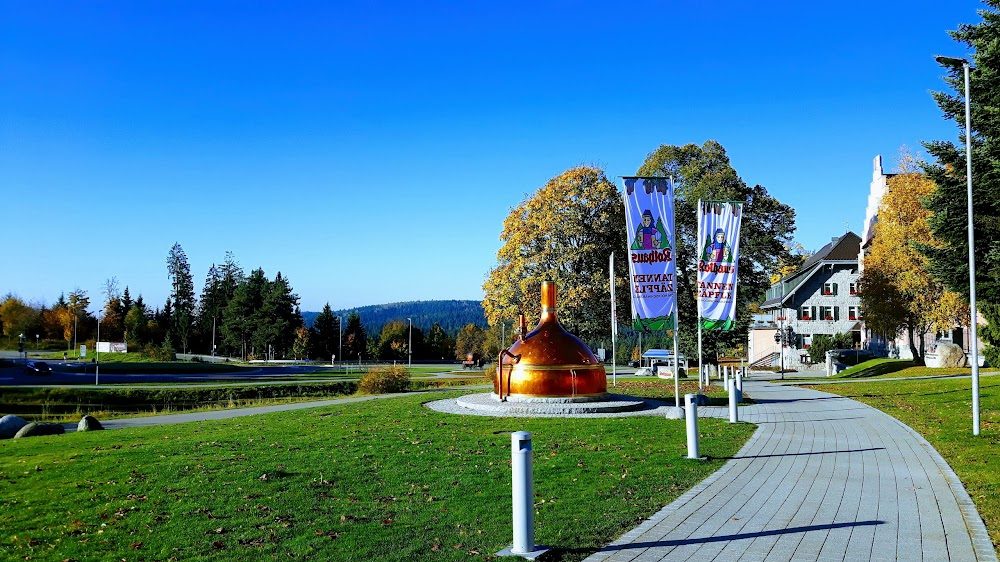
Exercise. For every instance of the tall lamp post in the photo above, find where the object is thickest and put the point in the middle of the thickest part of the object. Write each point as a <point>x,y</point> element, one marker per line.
<point>955,62</point>
<point>340,337</point>
<point>409,346</point>
<point>97,344</point>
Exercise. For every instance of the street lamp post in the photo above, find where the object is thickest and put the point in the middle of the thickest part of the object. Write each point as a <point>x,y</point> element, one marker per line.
<point>340,336</point>
<point>409,347</point>
<point>955,62</point>
<point>97,344</point>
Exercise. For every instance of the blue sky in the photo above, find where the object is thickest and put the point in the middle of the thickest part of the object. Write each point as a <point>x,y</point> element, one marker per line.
<point>371,150</point>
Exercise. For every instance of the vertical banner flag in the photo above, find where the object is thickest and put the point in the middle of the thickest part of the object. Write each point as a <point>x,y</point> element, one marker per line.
<point>718,256</point>
<point>649,216</point>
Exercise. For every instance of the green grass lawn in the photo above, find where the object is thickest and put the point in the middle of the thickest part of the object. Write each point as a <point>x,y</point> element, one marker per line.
<point>382,480</point>
<point>941,411</point>
<point>131,357</point>
<point>68,404</point>
<point>897,368</point>
<point>875,368</point>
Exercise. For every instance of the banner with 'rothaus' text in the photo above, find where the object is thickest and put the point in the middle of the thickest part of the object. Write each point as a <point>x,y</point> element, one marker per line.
<point>718,257</point>
<point>649,216</point>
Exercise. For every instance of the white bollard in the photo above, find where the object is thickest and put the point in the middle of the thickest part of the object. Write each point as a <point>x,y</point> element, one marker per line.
<point>733,411</point>
<point>725,378</point>
<point>691,416</point>
<point>522,493</point>
<point>739,387</point>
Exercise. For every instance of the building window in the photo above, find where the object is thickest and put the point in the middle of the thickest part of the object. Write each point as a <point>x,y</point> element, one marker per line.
<point>829,289</point>
<point>854,313</point>
<point>807,313</point>
<point>854,288</point>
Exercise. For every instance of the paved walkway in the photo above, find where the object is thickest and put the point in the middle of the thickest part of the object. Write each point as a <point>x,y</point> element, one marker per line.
<point>823,478</point>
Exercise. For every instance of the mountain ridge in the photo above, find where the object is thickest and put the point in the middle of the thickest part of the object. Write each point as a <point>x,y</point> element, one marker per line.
<point>450,314</point>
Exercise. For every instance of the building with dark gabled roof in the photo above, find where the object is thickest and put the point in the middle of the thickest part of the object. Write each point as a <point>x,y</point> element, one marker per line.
<point>819,298</point>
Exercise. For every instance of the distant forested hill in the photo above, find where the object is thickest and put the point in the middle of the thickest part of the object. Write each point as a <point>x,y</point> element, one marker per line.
<point>452,315</point>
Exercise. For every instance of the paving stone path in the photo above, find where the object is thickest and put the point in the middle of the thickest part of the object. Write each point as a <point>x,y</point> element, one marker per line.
<point>823,478</point>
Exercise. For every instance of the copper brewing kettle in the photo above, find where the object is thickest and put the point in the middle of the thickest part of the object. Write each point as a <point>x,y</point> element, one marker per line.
<point>548,362</point>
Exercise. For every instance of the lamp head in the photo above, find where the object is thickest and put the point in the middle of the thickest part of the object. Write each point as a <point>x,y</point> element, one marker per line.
<point>954,62</point>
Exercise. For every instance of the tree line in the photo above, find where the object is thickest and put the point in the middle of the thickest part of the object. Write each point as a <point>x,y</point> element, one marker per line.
<point>250,316</point>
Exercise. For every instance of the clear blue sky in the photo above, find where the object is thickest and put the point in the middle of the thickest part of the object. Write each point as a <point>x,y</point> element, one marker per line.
<point>370,150</point>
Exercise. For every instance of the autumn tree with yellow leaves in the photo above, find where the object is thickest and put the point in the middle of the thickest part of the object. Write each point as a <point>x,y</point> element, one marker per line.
<point>897,291</point>
<point>564,233</point>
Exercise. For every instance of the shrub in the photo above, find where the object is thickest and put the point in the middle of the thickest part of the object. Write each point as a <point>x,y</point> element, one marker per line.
<point>821,343</point>
<point>385,379</point>
<point>164,352</point>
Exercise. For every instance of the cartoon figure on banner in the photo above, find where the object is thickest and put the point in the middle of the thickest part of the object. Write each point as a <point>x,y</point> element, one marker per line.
<point>718,251</point>
<point>649,237</point>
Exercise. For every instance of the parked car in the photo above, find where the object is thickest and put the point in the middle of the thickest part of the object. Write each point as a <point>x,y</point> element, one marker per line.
<point>38,368</point>
<point>633,363</point>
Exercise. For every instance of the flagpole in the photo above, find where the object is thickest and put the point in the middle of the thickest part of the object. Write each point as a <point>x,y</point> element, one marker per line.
<point>698,300</point>
<point>677,319</point>
<point>614,322</point>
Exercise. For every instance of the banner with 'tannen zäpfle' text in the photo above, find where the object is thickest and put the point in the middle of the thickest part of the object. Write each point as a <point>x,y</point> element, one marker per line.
<point>718,257</point>
<point>649,216</point>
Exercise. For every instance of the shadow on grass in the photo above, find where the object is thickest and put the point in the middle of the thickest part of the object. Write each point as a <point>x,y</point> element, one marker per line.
<point>875,369</point>
<point>960,393</point>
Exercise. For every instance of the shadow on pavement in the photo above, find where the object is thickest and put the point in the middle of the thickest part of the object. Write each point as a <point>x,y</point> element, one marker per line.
<point>725,538</point>
<point>800,454</point>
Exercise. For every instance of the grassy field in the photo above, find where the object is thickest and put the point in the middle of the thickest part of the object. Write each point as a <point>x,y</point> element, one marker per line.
<point>108,358</point>
<point>383,480</point>
<point>941,411</point>
<point>68,404</point>
<point>897,368</point>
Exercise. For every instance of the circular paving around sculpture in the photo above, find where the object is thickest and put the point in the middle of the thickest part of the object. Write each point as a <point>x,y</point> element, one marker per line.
<point>610,405</point>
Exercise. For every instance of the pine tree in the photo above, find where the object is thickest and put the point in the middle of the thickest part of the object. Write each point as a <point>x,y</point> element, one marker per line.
<point>355,338</point>
<point>182,295</point>
<point>126,302</point>
<point>241,313</point>
<point>326,340</point>
<point>211,305</point>
<point>949,223</point>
